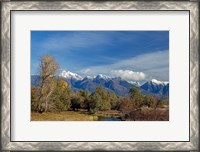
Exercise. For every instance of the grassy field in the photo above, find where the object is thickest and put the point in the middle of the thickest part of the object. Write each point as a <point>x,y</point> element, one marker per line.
<point>72,116</point>
<point>144,114</point>
<point>63,116</point>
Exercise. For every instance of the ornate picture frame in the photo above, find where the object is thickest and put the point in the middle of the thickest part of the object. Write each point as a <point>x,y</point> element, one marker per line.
<point>7,7</point>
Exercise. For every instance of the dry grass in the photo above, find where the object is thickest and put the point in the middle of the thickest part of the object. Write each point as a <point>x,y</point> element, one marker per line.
<point>62,116</point>
<point>149,114</point>
<point>143,114</point>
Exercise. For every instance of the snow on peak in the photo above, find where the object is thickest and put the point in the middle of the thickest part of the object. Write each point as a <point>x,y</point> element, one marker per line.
<point>159,82</point>
<point>70,75</point>
<point>89,77</point>
<point>102,76</point>
<point>135,83</point>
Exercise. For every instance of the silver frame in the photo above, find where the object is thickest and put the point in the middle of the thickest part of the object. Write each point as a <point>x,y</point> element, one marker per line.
<point>8,6</point>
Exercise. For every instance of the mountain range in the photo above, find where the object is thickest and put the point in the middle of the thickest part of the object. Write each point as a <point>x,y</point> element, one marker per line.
<point>114,84</point>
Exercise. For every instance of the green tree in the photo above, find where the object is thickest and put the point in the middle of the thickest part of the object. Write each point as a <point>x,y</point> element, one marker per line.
<point>134,92</point>
<point>149,101</point>
<point>62,96</point>
<point>99,100</point>
<point>113,100</point>
<point>86,100</point>
<point>136,97</point>
<point>95,103</point>
<point>77,100</point>
<point>106,105</point>
<point>104,102</point>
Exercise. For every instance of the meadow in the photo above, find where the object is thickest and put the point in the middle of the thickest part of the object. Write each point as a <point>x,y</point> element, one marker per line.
<point>143,114</point>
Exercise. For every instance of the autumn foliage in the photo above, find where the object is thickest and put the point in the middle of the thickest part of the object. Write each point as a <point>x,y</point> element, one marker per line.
<point>54,94</point>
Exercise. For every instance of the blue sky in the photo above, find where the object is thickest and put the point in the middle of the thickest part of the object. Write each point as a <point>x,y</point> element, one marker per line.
<point>132,55</point>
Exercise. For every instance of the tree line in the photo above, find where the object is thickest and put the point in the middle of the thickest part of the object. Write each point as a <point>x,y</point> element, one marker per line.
<point>54,94</point>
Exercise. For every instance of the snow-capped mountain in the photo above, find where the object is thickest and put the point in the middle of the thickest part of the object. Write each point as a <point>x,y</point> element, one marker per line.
<point>113,84</point>
<point>70,75</point>
<point>156,87</point>
<point>89,77</point>
<point>101,76</point>
<point>159,82</point>
<point>135,83</point>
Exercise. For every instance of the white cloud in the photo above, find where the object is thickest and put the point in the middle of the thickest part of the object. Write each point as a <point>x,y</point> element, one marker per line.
<point>155,65</point>
<point>129,75</point>
<point>85,71</point>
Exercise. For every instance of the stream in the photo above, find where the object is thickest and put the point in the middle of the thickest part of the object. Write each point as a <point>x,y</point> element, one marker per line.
<point>100,118</point>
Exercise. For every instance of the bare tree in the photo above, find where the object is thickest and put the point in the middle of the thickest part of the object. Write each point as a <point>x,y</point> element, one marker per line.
<point>48,69</point>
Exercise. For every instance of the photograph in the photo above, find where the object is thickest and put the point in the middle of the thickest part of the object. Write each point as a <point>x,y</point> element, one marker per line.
<point>108,76</point>
<point>99,76</point>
